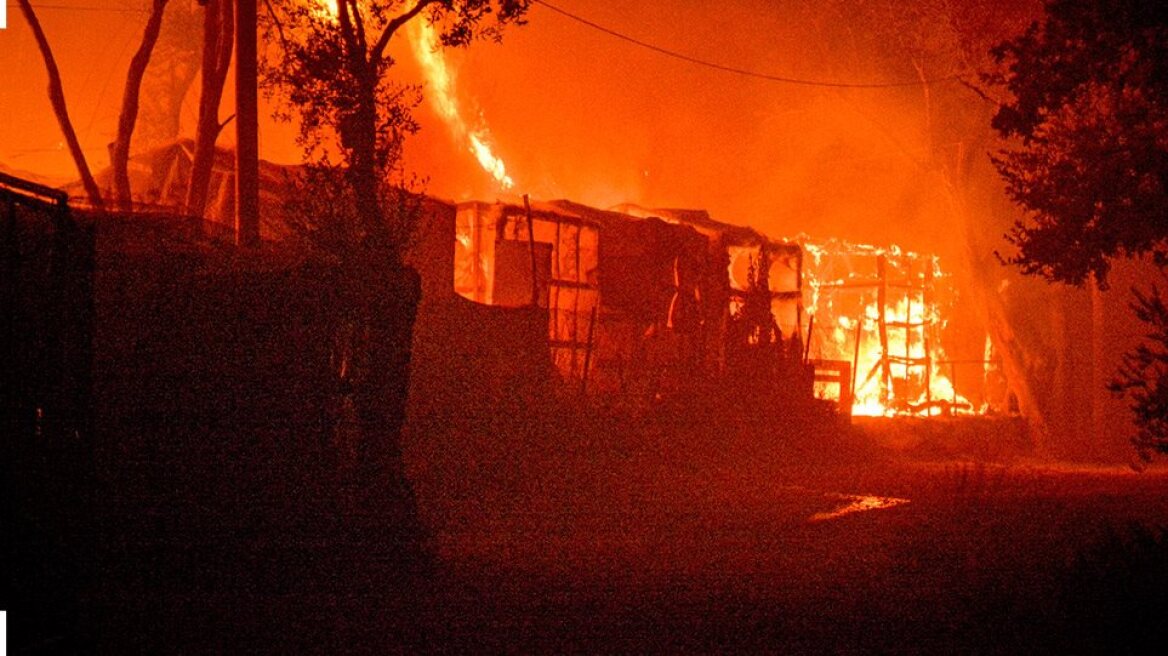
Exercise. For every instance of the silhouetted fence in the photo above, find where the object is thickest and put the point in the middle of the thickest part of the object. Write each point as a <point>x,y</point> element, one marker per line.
<point>46,352</point>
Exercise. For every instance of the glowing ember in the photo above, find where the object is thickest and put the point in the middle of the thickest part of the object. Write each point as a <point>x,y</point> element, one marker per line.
<point>442,93</point>
<point>855,504</point>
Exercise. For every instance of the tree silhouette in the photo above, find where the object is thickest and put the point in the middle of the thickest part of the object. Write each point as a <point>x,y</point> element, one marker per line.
<point>1144,376</point>
<point>128,118</point>
<point>1090,110</point>
<point>1089,113</point>
<point>57,99</point>
<point>218,42</point>
<point>329,64</point>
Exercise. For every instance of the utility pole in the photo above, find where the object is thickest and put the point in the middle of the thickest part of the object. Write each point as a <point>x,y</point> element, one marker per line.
<point>247,167</point>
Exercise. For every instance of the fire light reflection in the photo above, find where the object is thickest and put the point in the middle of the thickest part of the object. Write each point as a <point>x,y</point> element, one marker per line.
<point>855,504</point>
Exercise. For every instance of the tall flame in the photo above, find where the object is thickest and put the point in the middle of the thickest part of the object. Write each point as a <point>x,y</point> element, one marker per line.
<point>442,93</point>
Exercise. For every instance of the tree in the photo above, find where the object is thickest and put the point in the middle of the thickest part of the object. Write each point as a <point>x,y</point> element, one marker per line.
<point>218,41</point>
<point>57,99</point>
<point>329,63</point>
<point>1089,116</point>
<point>173,68</point>
<point>1090,110</point>
<point>120,150</point>
<point>1144,376</point>
<point>942,44</point>
<point>332,63</point>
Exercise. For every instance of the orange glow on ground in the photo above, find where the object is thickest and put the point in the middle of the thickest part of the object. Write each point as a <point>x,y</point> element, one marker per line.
<point>857,504</point>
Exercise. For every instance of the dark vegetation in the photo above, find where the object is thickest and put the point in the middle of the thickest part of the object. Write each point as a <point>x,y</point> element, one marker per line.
<point>1144,376</point>
<point>1089,165</point>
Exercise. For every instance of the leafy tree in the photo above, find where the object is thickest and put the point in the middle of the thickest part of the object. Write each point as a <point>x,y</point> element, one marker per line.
<point>332,66</point>
<point>1144,376</point>
<point>1089,113</point>
<point>1090,110</point>
<point>329,63</point>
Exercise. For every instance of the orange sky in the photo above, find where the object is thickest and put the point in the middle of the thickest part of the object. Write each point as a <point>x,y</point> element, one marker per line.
<point>576,113</point>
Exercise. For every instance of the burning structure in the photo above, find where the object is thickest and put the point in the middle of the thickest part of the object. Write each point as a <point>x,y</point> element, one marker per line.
<point>635,295</point>
<point>636,303</point>
<point>883,313</point>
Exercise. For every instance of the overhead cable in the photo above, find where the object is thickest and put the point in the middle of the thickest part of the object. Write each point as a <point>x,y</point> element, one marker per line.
<point>743,71</point>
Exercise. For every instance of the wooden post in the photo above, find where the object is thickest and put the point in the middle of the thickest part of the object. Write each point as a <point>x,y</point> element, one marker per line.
<point>807,344</point>
<point>908,327</point>
<point>928,379</point>
<point>576,298</point>
<point>881,303</point>
<point>856,357</point>
<point>476,250</point>
<point>799,288</point>
<point>247,173</point>
<point>531,249</point>
<point>953,382</point>
<point>588,348</point>
<point>927,325</point>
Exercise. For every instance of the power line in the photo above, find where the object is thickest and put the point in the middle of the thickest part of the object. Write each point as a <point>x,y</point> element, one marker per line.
<point>119,10</point>
<point>743,71</point>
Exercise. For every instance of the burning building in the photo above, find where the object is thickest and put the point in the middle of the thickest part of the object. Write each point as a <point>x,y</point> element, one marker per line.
<point>633,294</point>
<point>637,302</point>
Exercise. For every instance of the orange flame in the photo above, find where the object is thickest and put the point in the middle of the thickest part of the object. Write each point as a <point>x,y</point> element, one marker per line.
<point>442,93</point>
<point>327,9</point>
<point>912,335</point>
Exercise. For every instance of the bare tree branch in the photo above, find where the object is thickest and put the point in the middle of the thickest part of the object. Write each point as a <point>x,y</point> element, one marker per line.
<point>120,152</point>
<point>379,48</point>
<point>57,98</point>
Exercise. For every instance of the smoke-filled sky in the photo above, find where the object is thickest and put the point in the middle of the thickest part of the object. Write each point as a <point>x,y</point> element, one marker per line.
<point>577,113</point>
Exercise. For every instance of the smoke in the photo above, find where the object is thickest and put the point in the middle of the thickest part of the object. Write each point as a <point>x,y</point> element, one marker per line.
<point>583,115</point>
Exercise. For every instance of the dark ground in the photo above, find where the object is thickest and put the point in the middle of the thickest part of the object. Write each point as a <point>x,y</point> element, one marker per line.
<point>670,538</point>
<point>731,553</point>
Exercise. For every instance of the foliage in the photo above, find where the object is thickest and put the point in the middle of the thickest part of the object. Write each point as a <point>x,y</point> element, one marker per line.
<point>330,61</point>
<point>1090,117</point>
<point>1144,376</point>
<point>321,209</point>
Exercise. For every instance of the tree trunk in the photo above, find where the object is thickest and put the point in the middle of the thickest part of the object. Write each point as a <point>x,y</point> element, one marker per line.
<point>57,98</point>
<point>384,299</point>
<point>120,152</point>
<point>174,65</point>
<point>218,37</point>
<point>991,308</point>
<point>359,136</point>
